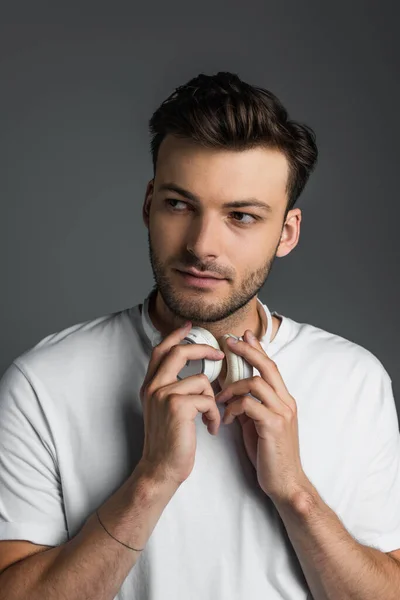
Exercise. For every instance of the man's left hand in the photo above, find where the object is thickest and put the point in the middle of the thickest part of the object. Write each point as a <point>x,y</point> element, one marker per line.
<point>270,426</point>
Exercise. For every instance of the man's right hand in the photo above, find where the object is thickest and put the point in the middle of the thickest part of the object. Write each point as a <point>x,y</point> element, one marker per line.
<point>170,407</point>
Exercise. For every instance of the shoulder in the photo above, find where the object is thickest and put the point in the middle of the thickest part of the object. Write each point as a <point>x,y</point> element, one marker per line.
<point>334,354</point>
<point>79,346</point>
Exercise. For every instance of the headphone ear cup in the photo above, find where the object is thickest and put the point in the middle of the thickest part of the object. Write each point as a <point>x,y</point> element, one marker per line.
<point>236,367</point>
<point>211,368</point>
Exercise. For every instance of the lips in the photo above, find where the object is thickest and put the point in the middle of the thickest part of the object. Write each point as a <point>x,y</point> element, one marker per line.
<point>201,275</point>
<point>202,282</point>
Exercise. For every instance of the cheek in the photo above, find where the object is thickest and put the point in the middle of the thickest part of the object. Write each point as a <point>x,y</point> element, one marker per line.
<point>251,259</point>
<point>247,255</point>
<point>166,238</point>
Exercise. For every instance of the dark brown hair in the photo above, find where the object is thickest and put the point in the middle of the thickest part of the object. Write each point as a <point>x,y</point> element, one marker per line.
<point>222,111</point>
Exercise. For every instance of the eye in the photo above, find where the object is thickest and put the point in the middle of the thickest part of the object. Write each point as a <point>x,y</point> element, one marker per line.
<point>169,200</point>
<point>242,214</point>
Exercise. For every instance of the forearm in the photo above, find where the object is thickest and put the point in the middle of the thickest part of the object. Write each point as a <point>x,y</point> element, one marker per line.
<point>92,565</point>
<point>335,565</point>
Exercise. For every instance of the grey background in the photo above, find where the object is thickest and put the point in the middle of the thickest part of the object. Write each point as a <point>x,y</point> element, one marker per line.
<point>76,91</point>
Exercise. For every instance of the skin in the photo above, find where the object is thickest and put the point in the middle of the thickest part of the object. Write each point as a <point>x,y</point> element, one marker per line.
<point>204,235</point>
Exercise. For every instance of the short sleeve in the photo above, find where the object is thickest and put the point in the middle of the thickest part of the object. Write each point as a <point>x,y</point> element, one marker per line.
<point>377,506</point>
<point>31,503</point>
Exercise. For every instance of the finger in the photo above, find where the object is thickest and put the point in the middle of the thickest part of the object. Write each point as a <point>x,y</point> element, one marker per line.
<point>205,405</point>
<point>257,387</point>
<point>251,339</point>
<point>163,348</point>
<point>174,361</point>
<point>192,385</point>
<point>265,366</point>
<point>245,406</point>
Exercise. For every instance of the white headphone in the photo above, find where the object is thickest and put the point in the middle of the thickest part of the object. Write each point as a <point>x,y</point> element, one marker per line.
<point>236,367</point>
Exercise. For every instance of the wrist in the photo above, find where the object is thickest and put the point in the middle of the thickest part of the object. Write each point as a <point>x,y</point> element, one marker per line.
<point>300,500</point>
<point>153,484</point>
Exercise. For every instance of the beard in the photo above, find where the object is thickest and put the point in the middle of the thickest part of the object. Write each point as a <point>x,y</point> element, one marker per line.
<point>192,304</point>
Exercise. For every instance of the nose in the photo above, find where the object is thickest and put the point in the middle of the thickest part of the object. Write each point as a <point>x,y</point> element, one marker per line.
<point>204,237</point>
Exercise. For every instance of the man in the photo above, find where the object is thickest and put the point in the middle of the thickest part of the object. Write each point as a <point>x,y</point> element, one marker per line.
<point>111,485</point>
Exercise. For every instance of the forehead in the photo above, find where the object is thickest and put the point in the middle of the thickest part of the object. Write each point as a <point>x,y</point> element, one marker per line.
<point>227,174</point>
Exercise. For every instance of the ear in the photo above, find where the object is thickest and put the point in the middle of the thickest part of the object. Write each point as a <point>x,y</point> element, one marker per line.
<point>290,233</point>
<point>147,202</point>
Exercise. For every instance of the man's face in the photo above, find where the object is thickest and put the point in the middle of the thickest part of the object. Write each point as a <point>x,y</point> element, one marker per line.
<point>237,244</point>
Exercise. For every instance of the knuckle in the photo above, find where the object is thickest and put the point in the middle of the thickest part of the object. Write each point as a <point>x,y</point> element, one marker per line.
<point>176,349</point>
<point>156,351</point>
<point>158,394</point>
<point>146,389</point>
<point>245,401</point>
<point>257,382</point>
<point>143,391</point>
<point>204,379</point>
<point>248,402</point>
<point>174,401</point>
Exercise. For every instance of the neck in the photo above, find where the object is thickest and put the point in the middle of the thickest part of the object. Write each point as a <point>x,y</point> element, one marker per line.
<point>248,317</point>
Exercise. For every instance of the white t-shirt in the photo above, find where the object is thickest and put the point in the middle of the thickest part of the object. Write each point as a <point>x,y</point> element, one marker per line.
<point>71,432</point>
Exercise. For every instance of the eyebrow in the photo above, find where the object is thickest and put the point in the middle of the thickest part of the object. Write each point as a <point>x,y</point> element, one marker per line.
<point>172,187</point>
